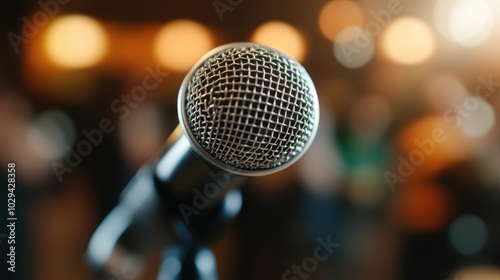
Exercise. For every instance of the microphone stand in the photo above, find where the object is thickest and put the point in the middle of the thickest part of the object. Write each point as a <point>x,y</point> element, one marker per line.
<point>190,259</point>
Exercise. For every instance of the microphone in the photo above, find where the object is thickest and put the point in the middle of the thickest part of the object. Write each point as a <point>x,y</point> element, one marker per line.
<point>244,110</point>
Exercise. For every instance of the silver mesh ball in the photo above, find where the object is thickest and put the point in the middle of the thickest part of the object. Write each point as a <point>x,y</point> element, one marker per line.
<point>251,107</point>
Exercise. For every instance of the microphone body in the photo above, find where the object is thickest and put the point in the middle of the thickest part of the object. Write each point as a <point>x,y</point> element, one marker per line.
<point>178,194</point>
<point>244,110</point>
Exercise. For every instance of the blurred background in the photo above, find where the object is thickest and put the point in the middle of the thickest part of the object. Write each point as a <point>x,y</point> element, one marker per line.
<point>404,173</point>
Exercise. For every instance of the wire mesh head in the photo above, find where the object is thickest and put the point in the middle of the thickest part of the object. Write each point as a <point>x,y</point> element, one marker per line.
<point>251,108</point>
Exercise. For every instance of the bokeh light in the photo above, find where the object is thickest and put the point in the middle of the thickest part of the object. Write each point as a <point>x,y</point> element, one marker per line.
<point>50,134</point>
<point>179,44</point>
<point>479,120</point>
<point>424,208</point>
<point>477,273</point>
<point>443,91</point>
<point>281,36</point>
<point>76,41</point>
<point>467,22</point>
<point>408,40</point>
<point>468,234</point>
<point>353,48</point>
<point>471,22</point>
<point>445,145</point>
<point>337,15</point>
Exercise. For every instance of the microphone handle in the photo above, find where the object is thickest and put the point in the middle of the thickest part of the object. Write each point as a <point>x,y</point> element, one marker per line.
<point>176,197</point>
<point>191,190</point>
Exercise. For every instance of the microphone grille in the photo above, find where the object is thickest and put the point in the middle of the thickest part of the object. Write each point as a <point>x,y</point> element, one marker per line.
<point>250,108</point>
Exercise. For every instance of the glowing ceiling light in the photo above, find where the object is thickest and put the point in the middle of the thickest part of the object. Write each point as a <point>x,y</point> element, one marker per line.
<point>75,41</point>
<point>283,37</point>
<point>180,43</point>
<point>467,22</point>
<point>337,15</point>
<point>471,22</point>
<point>408,40</point>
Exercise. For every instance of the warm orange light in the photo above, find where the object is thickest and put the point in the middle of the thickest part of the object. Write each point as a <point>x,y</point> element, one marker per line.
<point>337,15</point>
<point>283,37</point>
<point>477,273</point>
<point>75,41</point>
<point>408,40</point>
<point>423,208</point>
<point>429,145</point>
<point>180,43</point>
